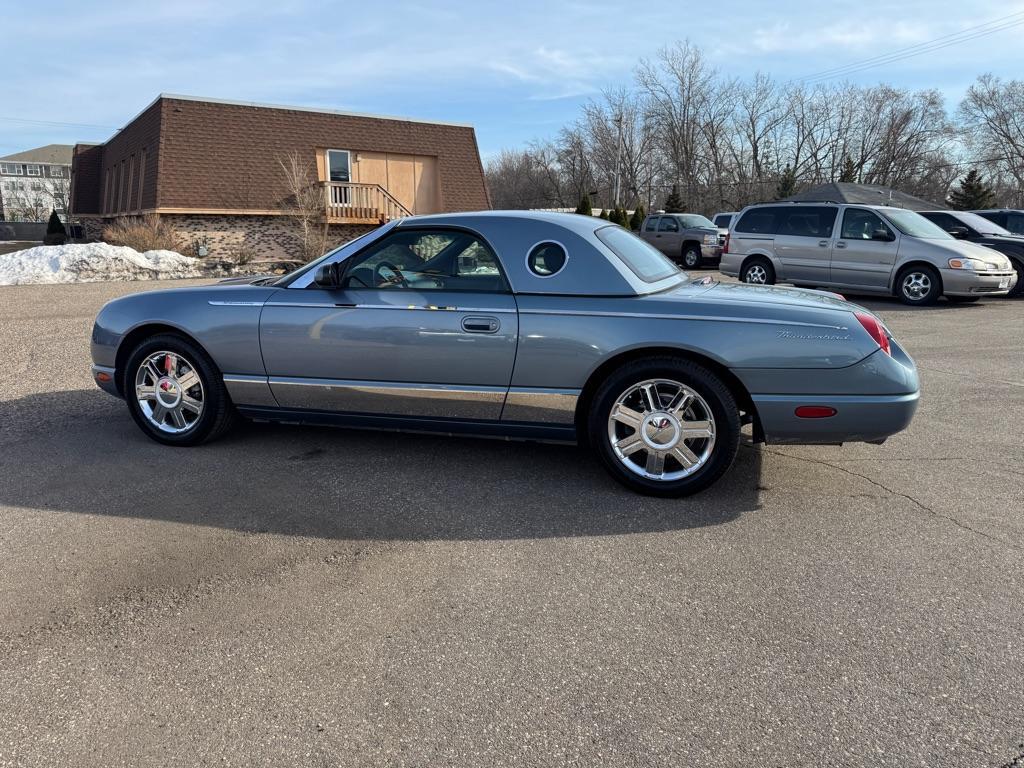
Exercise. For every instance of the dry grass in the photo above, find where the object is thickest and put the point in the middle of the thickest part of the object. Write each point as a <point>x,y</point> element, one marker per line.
<point>144,234</point>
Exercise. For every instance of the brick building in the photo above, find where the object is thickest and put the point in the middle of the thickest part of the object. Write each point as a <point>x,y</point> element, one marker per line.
<point>214,170</point>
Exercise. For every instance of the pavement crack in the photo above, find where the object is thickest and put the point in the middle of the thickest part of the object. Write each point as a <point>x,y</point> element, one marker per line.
<point>971,377</point>
<point>892,491</point>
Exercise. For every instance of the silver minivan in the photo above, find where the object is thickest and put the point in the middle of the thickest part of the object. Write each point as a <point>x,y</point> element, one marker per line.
<point>870,249</point>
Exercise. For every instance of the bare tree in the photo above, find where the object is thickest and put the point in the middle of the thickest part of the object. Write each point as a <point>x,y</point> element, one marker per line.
<point>306,204</point>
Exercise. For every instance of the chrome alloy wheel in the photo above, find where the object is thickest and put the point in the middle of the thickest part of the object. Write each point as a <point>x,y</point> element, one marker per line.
<point>661,429</point>
<point>916,285</point>
<point>169,392</point>
<point>756,274</point>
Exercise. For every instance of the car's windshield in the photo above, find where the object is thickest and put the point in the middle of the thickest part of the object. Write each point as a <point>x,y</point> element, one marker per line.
<point>914,224</point>
<point>981,224</point>
<point>696,221</point>
<point>646,261</point>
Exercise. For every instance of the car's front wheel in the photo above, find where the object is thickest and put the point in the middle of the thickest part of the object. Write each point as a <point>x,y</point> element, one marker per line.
<point>175,393</point>
<point>691,256</point>
<point>664,426</point>
<point>919,285</point>
<point>758,272</point>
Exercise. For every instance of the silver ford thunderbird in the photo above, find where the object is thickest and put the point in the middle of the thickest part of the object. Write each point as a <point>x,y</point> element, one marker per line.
<point>536,326</point>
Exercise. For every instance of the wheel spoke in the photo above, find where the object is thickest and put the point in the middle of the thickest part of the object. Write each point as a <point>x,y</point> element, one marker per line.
<point>159,413</point>
<point>627,416</point>
<point>685,456</point>
<point>690,430</point>
<point>649,394</point>
<point>680,402</point>
<point>190,404</point>
<point>178,418</point>
<point>188,380</point>
<point>153,371</point>
<point>145,392</point>
<point>655,463</point>
<point>630,444</point>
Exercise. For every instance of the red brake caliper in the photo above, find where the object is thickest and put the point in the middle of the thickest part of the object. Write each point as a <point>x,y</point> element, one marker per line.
<point>167,364</point>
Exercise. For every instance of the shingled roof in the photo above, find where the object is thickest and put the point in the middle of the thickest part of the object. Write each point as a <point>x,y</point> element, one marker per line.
<point>51,154</point>
<point>865,194</point>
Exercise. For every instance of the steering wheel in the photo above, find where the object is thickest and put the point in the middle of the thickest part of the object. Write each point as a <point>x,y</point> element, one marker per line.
<point>386,272</point>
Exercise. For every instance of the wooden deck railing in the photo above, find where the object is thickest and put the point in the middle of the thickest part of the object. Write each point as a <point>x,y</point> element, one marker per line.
<point>352,203</point>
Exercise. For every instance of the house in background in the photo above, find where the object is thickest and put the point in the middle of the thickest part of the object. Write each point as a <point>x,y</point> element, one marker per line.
<point>214,170</point>
<point>34,183</point>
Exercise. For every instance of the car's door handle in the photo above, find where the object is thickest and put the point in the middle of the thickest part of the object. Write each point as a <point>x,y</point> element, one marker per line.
<point>840,244</point>
<point>823,243</point>
<point>476,324</point>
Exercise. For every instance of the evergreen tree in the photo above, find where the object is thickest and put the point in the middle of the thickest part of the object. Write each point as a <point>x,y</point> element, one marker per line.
<point>604,214</point>
<point>787,184</point>
<point>637,219</point>
<point>849,172</point>
<point>972,194</point>
<point>55,233</point>
<point>674,203</point>
<point>584,206</point>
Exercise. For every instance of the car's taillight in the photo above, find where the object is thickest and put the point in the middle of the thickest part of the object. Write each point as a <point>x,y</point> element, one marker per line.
<point>875,330</point>
<point>725,245</point>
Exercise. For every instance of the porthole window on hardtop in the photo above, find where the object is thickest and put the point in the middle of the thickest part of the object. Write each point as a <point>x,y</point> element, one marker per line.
<point>546,259</point>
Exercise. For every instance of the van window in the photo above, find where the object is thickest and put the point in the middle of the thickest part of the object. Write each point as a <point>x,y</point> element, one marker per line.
<point>652,224</point>
<point>758,221</point>
<point>914,224</point>
<point>860,224</point>
<point>806,221</point>
<point>723,220</point>
<point>1015,223</point>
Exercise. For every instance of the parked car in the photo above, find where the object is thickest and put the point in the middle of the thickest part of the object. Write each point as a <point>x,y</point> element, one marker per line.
<point>514,324</point>
<point>686,238</point>
<point>964,225</point>
<point>871,249</point>
<point>724,220</point>
<point>1009,219</point>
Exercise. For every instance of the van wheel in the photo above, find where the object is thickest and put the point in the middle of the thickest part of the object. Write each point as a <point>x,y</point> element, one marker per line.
<point>691,256</point>
<point>918,286</point>
<point>663,426</point>
<point>758,272</point>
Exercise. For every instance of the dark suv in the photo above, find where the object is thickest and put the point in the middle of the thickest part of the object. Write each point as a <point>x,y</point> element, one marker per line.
<point>1007,218</point>
<point>975,228</point>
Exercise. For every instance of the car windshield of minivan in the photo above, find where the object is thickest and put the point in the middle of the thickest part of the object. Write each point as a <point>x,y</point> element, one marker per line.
<point>915,225</point>
<point>981,224</point>
<point>693,220</point>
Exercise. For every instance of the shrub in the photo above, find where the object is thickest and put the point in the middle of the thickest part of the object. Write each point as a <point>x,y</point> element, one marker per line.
<point>637,220</point>
<point>55,234</point>
<point>584,206</point>
<point>146,234</point>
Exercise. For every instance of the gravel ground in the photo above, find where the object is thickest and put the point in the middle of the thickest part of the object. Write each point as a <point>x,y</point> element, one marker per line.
<point>301,596</point>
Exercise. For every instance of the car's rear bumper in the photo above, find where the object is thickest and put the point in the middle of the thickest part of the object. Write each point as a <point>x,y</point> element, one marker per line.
<point>857,419</point>
<point>962,282</point>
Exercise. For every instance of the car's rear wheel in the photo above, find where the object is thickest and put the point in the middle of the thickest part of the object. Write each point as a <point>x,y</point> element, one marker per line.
<point>758,272</point>
<point>918,285</point>
<point>664,426</point>
<point>691,256</point>
<point>175,393</point>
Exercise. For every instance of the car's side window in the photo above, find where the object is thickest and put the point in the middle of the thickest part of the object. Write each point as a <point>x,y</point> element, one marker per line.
<point>944,220</point>
<point>652,224</point>
<point>668,224</point>
<point>807,221</point>
<point>760,221</point>
<point>859,224</point>
<point>426,260</point>
<point>1014,223</point>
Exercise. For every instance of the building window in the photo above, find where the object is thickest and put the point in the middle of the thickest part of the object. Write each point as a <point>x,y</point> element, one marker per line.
<point>33,170</point>
<point>142,177</point>
<point>56,172</point>
<point>338,168</point>
<point>14,169</point>
<point>37,185</point>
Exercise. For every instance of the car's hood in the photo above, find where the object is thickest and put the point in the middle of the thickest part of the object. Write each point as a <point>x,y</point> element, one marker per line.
<point>248,280</point>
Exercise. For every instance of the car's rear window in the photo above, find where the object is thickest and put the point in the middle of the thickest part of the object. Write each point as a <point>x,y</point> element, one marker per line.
<point>646,261</point>
<point>759,221</point>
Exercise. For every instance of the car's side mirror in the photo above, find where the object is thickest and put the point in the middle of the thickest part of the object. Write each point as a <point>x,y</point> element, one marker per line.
<point>959,233</point>
<point>328,276</point>
<point>883,235</point>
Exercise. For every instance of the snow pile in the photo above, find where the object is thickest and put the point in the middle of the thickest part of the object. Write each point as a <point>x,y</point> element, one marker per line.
<point>93,262</point>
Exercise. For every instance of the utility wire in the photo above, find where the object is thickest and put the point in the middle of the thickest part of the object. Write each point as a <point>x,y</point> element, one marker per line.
<point>56,123</point>
<point>954,38</point>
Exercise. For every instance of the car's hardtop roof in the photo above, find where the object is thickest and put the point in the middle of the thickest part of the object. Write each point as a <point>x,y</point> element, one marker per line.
<point>575,222</point>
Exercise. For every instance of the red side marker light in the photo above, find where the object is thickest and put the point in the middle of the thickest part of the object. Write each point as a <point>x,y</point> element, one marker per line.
<point>815,411</point>
<point>875,330</point>
<point>102,376</point>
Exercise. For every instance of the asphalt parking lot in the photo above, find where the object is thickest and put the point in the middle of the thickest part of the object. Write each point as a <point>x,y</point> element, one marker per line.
<point>302,596</point>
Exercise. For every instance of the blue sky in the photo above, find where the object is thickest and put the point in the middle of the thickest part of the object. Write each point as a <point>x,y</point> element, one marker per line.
<point>516,70</point>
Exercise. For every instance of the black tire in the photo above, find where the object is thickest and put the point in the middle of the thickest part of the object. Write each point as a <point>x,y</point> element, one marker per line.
<point>750,274</point>
<point>217,414</point>
<point>692,256</point>
<point>716,398</point>
<point>962,299</point>
<point>920,274</point>
<point>1018,289</point>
